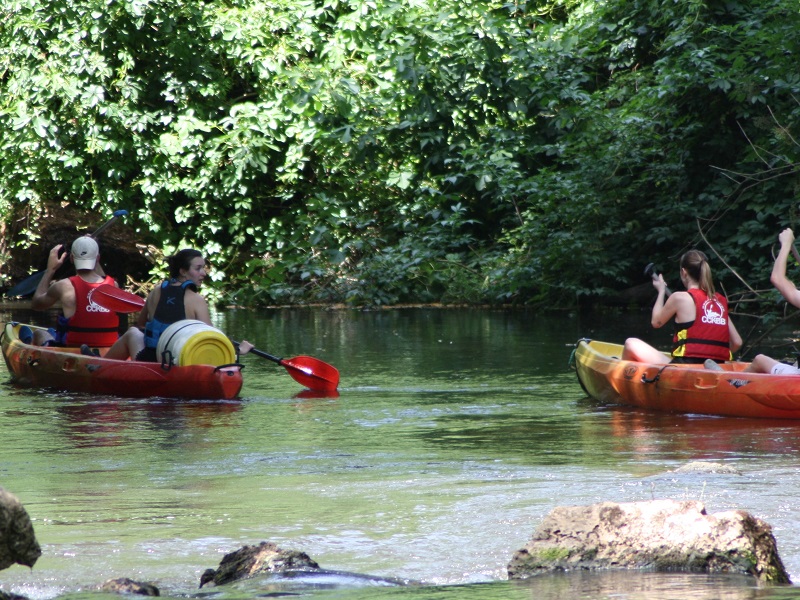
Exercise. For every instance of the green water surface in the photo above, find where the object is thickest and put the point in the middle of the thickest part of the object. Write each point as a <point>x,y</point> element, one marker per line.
<point>453,434</point>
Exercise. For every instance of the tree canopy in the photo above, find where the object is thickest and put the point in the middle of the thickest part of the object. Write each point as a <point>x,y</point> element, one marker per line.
<point>378,151</point>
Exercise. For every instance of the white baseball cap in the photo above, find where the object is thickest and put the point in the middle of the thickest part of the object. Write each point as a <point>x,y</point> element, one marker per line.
<point>84,252</point>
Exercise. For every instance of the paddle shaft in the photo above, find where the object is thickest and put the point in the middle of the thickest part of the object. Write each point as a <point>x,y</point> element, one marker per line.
<point>117,214</point>
<point>263,354</point>
<point>796,254</point>
<point>28,286</point>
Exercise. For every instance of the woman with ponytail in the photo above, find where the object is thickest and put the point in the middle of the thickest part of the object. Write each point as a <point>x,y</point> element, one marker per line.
<point>703,327</point>
<point>173,300</point>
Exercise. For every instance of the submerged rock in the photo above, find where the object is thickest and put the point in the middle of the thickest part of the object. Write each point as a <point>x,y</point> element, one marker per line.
<point>123,585</point>
<point>287,570</point>
<point>707,467</point>
<point>18,543</point>
<point>662,535</point>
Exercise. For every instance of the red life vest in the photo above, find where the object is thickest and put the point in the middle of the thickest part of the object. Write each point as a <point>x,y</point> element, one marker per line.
<point>708,335</point>
<point>91,324</point>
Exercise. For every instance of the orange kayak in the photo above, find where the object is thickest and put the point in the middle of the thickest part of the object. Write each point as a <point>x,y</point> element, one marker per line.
<point>684,388</point>
<point>68,369</point>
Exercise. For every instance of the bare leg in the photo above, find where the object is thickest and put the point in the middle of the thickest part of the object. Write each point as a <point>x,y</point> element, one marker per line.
<point>636,349</point>
<point>127,346</point>
<point>761,364</point>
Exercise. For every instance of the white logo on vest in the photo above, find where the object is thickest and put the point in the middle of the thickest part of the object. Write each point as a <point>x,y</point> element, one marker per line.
<point>712,313</point>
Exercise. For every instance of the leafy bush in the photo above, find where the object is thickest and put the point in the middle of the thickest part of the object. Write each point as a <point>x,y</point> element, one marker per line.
<point>384,152</point>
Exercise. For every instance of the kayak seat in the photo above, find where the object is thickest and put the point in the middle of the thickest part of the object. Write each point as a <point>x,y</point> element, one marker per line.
<point>25,334</point>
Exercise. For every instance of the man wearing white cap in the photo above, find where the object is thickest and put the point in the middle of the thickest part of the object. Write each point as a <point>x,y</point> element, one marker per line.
<point>82,321</point>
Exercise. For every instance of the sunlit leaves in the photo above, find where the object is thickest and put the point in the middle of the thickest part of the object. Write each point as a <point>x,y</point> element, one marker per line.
<point>378,151</point>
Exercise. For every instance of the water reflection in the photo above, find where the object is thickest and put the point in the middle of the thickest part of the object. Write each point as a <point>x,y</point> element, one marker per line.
<point>698,437</point>
<point>90,422</point>
<point>624,585</point>
<point>612,585</point>
<point>309,394</point>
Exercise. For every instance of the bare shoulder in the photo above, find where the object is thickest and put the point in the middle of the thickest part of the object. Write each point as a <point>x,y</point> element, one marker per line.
<point>683,298</point>
<point>194,296</point>
<point>61,288</point>
<point>195,300</point>
<point>197,307</point>
<point>152,299</point>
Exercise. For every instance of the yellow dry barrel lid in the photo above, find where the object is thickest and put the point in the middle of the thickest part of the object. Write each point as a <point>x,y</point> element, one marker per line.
<point>191,342</point>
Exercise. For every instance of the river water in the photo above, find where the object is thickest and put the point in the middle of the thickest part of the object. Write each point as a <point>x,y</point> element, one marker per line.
<point>454,433</point>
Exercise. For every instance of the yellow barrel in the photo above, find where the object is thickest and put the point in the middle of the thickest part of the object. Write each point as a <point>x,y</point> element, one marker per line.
<point>190,342</point>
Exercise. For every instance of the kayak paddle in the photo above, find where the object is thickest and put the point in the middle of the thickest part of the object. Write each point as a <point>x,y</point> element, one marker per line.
<point>116,299</point>
<point>117,214</point>
<point>650,271</point>
<point>311,372</point>
<point>307,370</point>
<point>28,286</point>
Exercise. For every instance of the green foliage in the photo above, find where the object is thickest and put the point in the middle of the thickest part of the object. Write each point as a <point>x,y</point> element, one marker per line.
<point>376,152</point>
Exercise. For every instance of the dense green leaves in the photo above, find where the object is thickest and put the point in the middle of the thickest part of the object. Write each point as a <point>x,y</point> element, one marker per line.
<point>376,152</point>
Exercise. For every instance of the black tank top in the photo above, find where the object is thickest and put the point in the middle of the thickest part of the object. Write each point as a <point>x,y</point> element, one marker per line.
<point>170,308</point>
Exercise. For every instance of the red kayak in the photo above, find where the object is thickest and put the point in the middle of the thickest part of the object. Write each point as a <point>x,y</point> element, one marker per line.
<point>68,369</point>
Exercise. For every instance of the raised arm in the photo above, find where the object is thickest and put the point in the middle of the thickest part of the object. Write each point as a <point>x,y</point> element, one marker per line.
<point>46,295</point>
<point>778,278</point>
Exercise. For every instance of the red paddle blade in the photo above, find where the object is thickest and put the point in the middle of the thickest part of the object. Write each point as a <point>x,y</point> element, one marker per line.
<point>312,373</point>
<point>115,299</point>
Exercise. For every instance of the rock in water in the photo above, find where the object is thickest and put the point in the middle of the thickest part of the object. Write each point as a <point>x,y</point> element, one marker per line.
<point>123,585</point>
<point>707,467</point>
<point>17,541</point>
<point>662,535</point>
<point>249,561</point>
